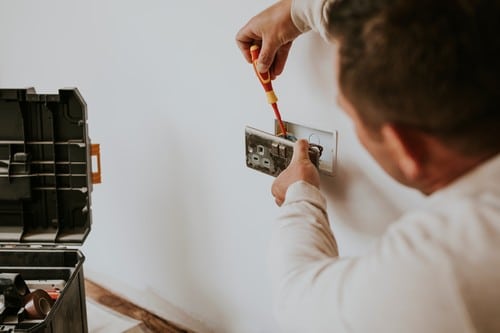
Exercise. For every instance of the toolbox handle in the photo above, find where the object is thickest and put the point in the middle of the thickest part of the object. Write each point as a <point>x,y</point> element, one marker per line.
<point>95,150</point>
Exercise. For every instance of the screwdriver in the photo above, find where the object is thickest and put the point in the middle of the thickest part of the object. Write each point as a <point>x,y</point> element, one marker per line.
<point>265,80</point>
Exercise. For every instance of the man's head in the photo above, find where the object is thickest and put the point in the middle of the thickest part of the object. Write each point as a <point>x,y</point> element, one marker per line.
<point>425,71</point>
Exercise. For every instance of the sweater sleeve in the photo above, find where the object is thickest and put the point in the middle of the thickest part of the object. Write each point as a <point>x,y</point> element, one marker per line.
<point>311,15</point>
<point>390,290</point>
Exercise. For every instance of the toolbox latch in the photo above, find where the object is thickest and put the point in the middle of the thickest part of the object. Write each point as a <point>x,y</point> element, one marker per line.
<point>95,151</point>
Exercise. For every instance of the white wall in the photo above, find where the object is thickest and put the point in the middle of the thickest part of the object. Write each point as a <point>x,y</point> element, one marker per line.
<point>179,219</point>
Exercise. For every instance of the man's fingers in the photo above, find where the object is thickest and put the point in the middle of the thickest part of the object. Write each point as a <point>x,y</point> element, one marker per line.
<point>268,51</point>
<point>266,57</point>
<point>280,59</point>
<point>300,151</point>
<point>277,193</point>
<point>245,39</point>
<point>272,57</point>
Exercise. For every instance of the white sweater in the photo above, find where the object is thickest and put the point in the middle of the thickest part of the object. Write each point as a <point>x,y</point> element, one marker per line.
<point>435,270</point>
<point>310,14</point>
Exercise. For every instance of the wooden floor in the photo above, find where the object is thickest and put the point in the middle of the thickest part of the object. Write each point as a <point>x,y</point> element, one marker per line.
<point>151,321</point>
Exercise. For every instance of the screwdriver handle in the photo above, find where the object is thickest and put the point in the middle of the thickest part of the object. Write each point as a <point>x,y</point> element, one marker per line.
<point>264,78</point>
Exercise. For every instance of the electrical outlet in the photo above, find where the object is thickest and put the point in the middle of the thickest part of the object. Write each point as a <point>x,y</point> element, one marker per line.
<point>271,154</point>
<point>327,140</point>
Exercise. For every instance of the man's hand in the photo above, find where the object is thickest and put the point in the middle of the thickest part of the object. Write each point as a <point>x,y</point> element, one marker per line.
<point>300,168</point>
<point>274,30</point>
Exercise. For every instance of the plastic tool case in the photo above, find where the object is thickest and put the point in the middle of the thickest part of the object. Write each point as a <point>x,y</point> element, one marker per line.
<point>45,186</point>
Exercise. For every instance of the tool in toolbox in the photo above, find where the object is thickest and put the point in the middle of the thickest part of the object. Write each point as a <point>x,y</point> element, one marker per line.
<point>46,180</point>
<point>265,80</point>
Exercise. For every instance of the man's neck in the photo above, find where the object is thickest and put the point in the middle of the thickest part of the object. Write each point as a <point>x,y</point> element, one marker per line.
<point>446,167</point>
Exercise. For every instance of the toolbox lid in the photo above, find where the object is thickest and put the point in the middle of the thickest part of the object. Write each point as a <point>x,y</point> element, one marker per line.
<point>45,168</point>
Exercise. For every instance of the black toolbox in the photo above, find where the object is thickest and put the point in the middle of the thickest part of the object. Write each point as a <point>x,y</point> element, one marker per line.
<point>45,186</point>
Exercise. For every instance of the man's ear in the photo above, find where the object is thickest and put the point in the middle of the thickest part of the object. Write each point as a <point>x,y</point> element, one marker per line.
<point>407,149</point>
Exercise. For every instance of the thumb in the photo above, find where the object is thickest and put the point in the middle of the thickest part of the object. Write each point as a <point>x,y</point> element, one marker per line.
<point>300,151</point>
<point>266,56</point>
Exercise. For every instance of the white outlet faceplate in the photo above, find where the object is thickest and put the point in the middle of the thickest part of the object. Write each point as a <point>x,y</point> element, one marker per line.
<point>328,140</point>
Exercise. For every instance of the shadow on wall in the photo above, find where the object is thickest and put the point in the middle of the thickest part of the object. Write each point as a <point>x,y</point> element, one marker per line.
<point>357,201</point>
<point>322,57</point>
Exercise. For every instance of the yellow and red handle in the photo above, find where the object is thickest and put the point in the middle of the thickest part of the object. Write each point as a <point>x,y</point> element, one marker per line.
<point>264,78</point>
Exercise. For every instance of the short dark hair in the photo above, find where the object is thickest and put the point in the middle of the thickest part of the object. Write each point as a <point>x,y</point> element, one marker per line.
<point>433,65</point>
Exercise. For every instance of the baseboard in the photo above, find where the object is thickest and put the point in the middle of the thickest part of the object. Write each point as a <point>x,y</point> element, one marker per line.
<point>150,302</point>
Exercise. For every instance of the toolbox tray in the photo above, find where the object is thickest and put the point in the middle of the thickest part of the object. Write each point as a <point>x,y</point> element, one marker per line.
<point>45,187</point>
<point>69,313</point>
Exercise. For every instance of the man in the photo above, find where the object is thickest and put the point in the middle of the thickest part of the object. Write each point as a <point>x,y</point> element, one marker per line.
<point>421,81</point>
